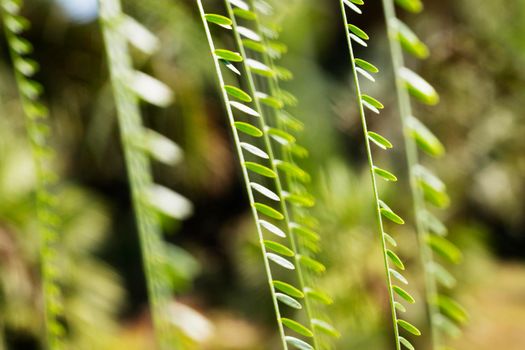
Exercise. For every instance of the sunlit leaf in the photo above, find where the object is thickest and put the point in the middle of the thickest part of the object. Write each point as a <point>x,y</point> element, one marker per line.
<point>248,129</point>
<point>219,20</point>
<point>228,55</point>
<point>395,259</point>
<point>288,289</point>
<point>419,87</point>
<point>298,343</point>
<point>291,302</point>
<point>279,260</point>
<point>278,248</point>
<point>409,327</point>
<point>296,326</point>
<point>325,327</point>
<point>379,140</point>
<point>444,248</point>
<point>265,191</point>
<point>260,169</point>
<point>404,294</point>
<point>268,211</point>
<point>385,174</point>
<point>237,93</point>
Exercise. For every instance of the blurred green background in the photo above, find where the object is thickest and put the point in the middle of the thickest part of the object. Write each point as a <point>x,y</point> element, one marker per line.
<point>477,64</point>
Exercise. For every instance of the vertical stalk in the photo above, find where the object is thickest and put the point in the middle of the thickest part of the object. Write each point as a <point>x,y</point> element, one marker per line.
<point>139,169</point>
<point>405,109</point>
<point>373,179</point>
<point>244,170</point>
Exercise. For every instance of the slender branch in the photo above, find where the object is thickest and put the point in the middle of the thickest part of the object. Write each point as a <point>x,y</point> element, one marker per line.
<point>405,109</point>
<point>373,179</point>
<point>244,170</point>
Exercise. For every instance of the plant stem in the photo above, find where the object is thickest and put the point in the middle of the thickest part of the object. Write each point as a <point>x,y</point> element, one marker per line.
<point>243,168</point>
<point>49,221</point>
<point>412,160</point>
<point>373,178</point>
<point>139,170</point>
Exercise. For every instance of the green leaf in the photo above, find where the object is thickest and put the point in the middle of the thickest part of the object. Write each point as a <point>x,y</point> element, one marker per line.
<point>399,307</point>
<point>418,87</point>
<point>278,248</point>
<point>292,170</point>
<point>245,109</point>
<point>432,186</point>
<point>279,260</point>
<point>283,73</point>
<point>300,199</point>
<point>259,68</point>
<point>352,6</point>
<point>254,45</point>
<point>370,106</point>
<point>442,275</point>
<point>433,223</point>
<point>260,169</point>
<point>389,214</point>
<point>358,31</point>
<point>413,6</point>
<point>452,309</point>
<point>379,140</point>
<point>288,289</point>
<point>245,14</point>
<point>296,326</point>
<point>385,174</point>
<point>272,228</point>
<point>372,101</point>
<point>298,343</point>
<point>280,136</point>
<point>395,259</point>
<point>269,100</point>
<point>318,295</point>
<point>248,129</point>
<point>287,300</point>
<point>240,4</point>
<point>409,327</point>
<point>325,327</point>
<point>237,93</point>
<point>304,232</point>
<point>445,248</point>
<point>248,33</point>
<point>265,191</point>
<point>398,275</point>
<point>228,55</point>
<point>409,40</point>
<point>390,239</point>
<point>366,65</point>
<point>406,343</point>
<point>268,211</point>
<point>404,294</point>
<point>219,20</point>
<point>311,264</point>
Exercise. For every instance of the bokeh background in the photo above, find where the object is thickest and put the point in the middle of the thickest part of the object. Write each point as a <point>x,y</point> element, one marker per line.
<point>477,64</point>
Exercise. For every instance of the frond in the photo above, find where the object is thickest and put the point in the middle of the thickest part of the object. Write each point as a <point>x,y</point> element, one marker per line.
<point>264,147</point>
<point>427,188</point>
<point>139,143</point>
<point>47,199</point>
<point>393,263</point>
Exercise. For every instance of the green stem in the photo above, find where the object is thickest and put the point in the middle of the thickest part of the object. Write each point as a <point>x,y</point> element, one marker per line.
<point>373,178</point>
<point>139,169</point>
<point>46,199</point>
<point>412,160</point>
<point>244,170</point>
